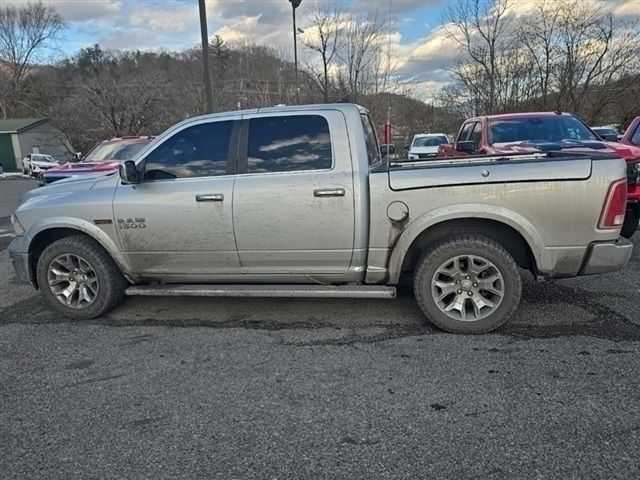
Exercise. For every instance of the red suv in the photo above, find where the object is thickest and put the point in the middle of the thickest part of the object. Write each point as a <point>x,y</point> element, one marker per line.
<point>632,135</point>
<point>103,158</point>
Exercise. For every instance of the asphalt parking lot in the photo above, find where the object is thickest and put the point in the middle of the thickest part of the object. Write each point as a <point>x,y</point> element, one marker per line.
<point>294,388</point>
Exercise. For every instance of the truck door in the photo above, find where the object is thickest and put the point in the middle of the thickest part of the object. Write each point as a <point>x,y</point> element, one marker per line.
<point>177,223</point>
<point>293,201</point>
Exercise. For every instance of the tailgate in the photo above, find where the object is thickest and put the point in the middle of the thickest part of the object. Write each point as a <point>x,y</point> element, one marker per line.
<point>443,173</point>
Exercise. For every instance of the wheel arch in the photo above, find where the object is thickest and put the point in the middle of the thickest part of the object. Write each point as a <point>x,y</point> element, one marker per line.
<point>45,233</point>
<point>516,234</point>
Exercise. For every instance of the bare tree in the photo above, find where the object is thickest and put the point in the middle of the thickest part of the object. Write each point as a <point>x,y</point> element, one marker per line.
<point>25,33</point>
<point>481,30</point>
<point>595,52</point>
<point>323,36</point>
<point>557,54</point>
<point>357,50</point>
<point>127,93</point>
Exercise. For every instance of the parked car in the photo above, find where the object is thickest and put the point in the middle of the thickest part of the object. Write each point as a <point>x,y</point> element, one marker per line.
<point>103,158</point>
<point>35,163</point>
<point>296,202</point>
<point>608,133</point>
<point>541,132</point>
<point>632,134</point>
<point>425,145</point>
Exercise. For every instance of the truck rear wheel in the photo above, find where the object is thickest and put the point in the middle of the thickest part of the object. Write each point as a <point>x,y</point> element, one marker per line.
<point>79,278</point>
<point>467,284</point>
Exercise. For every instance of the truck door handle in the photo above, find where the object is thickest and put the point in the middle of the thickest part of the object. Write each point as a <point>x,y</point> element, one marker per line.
<point>329,192</point>
<point>209,197</point>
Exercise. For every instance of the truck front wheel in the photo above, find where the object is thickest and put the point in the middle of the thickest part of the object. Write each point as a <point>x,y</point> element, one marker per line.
<point>467,284</point>
<point>79,278</point>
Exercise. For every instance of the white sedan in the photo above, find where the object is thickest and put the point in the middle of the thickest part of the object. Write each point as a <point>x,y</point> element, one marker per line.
<point>34,163</point>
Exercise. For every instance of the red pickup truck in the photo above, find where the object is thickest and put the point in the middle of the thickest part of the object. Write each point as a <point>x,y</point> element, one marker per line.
<point>543,132</point>
<point>632,135</point>
<point>104,157</point>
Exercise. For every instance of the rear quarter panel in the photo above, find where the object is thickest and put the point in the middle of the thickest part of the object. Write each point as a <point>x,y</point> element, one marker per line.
<point>558,218</point>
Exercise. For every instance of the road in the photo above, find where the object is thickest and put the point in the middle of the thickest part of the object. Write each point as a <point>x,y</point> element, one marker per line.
<point>293,388</point>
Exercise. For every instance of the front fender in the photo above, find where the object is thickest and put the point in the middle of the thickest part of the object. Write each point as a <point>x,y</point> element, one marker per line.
<point>85,227</point>
<point>467,211</point>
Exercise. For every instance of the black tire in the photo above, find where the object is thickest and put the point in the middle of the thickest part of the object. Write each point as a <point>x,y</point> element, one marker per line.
<point>111,282</point>
<point>630,225</point>
<point>447,249</point>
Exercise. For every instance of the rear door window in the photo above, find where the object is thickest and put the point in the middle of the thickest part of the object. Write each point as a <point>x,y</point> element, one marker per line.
<point>289,144</point>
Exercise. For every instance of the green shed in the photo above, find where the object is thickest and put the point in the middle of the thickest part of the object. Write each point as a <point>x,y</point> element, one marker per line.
<point>21,136</point>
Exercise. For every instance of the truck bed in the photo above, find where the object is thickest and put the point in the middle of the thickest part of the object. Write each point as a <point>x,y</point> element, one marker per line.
<point>489,169</point>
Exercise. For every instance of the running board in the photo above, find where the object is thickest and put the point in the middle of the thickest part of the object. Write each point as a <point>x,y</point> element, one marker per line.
<point>308,291</point>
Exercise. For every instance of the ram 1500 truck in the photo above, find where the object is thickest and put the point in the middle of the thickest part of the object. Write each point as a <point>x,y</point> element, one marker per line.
<point>295,201</point>
<point>530,132</point>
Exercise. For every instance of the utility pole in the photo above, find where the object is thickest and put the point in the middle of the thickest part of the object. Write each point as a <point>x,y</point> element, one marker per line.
<point>295,4</point>
<point>205,56</point>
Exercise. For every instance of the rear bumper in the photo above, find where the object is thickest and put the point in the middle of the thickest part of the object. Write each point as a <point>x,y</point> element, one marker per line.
<point>607,257</point>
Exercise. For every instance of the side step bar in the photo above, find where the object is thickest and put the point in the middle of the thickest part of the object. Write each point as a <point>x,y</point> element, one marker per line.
<point>308,291</point>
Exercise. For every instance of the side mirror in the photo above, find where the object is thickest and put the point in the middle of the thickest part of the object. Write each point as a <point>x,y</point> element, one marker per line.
<point>387,150</point>
<point>467,146</point>
<point>609,137</point>
<point>77,156</point>
<point>129,173</point>
<point>407,147</point>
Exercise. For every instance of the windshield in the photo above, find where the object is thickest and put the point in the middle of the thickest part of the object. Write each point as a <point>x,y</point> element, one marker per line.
<point>119,150</point>
<point>540,129</point>
<point>43,158</point>
<point>435,141</point>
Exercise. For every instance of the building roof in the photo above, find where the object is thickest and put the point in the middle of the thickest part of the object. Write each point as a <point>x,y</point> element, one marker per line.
<point>16,125</point>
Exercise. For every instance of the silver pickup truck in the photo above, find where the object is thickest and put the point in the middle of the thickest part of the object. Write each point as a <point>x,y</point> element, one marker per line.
<point>296,202</point>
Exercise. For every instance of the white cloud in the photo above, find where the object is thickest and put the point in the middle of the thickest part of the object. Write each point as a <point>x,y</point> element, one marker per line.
<point>627,9</point>
<point>79,10</point>
<point>173,17</point>
<point>244,28</point>
<point>174,24</point>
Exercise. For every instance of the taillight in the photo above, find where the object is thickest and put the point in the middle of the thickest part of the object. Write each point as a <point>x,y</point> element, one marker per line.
<point>615,207</point>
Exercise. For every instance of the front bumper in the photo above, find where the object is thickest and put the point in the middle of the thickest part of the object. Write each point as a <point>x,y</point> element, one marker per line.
<point>607,257</point>
<point>22,266</point>
<point>21,261</point>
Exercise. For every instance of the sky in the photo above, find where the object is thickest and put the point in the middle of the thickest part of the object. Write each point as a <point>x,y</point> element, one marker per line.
<point>415,27</point>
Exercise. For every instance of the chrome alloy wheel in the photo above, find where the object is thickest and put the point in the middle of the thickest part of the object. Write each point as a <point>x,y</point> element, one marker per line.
<point>73,281</point>
<point>467,288</point>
